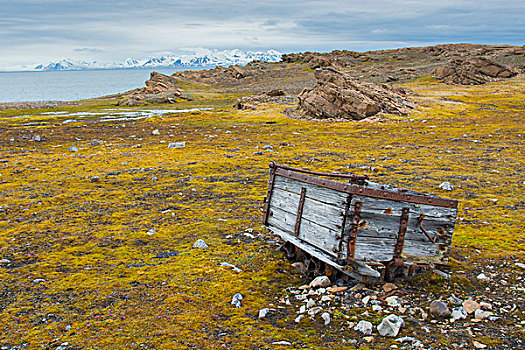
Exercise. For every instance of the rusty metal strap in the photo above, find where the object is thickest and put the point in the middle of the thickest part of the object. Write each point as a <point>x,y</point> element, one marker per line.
<point>401,234</point>
<point>353,229</point>
<point>300,211</point>
<point>369,192</point>
<point>344,176</point>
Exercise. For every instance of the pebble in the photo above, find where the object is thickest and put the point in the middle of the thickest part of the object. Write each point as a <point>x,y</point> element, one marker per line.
<point>483,277</point>
<point>390,326</point>
<point>366,300</point>
<point>282,342</point>
<point>314,311</point>
<point>446,186</point>
<point>236,300</point>
<point>320,281</point>
<point>470,306</point>
<point>151,232</point>
<point>310,303</point>
<point>38,138</point>
<point>233,267</point>
<point>393,301</point>
<point>200,244</point>
<point>481,315</point>
<point>39,280</point>
<point>4,261</point>
<point>458,313</point>
<point>95,143</point>
<point>299,318</point>
<point>364,327</point>
<point>155,132</point>
<point>478,345</point>
<point>177,144</point>
<point>264,312</point>
<point>368,339</point>
<point>326,317</point>
<point>485,305</point>
<point>388,287</point>
<point>520,265</point>
<point>439,309</point>
<point>268,147</point>
<point>337,289</point>
<point>73,149</point>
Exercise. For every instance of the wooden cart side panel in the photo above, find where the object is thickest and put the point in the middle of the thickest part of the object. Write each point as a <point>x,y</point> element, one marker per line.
<point>321,194</point>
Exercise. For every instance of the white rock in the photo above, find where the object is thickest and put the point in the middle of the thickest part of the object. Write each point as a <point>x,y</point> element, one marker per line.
<point>310,303</point>
<point>390,326</point>
<point>282,342</point>
<point>177,144</point>
<point>485,305</point>
<point>299,318</point>
<point>377,308</point>
<point>364,327</point>
<point>302,309</point>
<point>366,300</point>
<point>393,301</point>
<point>520,265</point>
<point>446,186</point>
<point>314,311</point>
<point>264,312</point>
<point>320,281</point>
<point>39,280</point>
<point>236,300</point>
<point>73,149</point>
<point>326,317</point>
<point>326,298</point>
<point>5,261</point>
<point>200,244</point>
<point>483,277</point>
<point>459,313</point>
<point>38,138</point>
<point>481,315</point>
<point>151,232</point>
<point>155,132</point>
<point>233,267</point>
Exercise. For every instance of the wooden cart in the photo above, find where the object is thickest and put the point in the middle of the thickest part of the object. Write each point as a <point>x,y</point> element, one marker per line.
<point>366,230</point>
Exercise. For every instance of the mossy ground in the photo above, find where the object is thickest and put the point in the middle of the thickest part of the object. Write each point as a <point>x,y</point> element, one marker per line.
<point>110,284</point>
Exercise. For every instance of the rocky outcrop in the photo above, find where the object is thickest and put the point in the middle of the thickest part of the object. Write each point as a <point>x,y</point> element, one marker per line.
<point>314,60</point>
<point>471,71</point>
<point>338,95</point>
<point>159,88</point>
<point>273,96</point>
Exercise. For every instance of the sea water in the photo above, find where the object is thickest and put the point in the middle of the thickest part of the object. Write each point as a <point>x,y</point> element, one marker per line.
<point>71,85</point>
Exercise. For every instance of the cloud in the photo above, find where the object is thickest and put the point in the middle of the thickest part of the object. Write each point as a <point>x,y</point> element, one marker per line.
<point>35,31</point>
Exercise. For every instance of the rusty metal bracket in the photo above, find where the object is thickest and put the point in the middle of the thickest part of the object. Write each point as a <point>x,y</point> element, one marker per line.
<point>353,230</point>
<point>300,211</point>
<point>266,212</point>
<point>431,239</point>
<point>344,176</point>
<point>402,232</point>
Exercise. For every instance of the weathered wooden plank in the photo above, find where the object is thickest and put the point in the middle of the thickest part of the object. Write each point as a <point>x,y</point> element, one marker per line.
<point>322,194</point>
<point>317,235</point>
<point>355,270</point>
<point>321,213</point>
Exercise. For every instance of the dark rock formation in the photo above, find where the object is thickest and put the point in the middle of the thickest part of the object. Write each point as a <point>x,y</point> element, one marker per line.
<point>274,96</point>
<point>159,88</point>
<point>471,71</point>
<point>338,95</point>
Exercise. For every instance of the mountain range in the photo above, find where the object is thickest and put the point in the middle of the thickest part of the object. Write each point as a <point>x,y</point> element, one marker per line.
<point>206,59</point>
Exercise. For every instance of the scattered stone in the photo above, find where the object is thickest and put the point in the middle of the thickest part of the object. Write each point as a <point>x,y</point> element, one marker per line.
<point>483,277</point>
<point>233,267</point>
<point>336,289</point>
<point>268,147</point>
<point>390,326</point>
<point>200,244</point>
<point>236,300</point>
<point>366,300</point>
<point>177,144</point>
<point>310,303</point>
<point>364,327</point>
<point>4,261</point>
<point>282,342</point>
<point>299,318</point>
<point>393,301</point>
<point>478,345</point>
<point>388,287</point>
<point>73,149</point>
<point>314,311</point>
<point>481,315</point>
<point>94,179</point>
<point>151,231</point>
<point>454,300</point>
<point>470,306</point>
<point>320,281</point>
<point>520,265</point>
<point>446,186</point>
<point>458,313</point>
<point>95,143</point>
<point>439,309</point>
<point>368,339</point>
<point>39,280</point>
<point>155,132</point>
<point>485,305</point>
<point>264,312</point>
<point>38,138</point>
<point>326,317</point>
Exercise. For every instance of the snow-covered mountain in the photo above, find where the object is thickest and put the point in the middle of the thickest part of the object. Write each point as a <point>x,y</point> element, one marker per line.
<point>207,58</point>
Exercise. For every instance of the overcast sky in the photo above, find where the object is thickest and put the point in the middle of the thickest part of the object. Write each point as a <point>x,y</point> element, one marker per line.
<point>38,31</point>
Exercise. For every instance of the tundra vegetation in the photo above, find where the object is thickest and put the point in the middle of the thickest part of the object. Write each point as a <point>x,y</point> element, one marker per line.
<point>98,219</point>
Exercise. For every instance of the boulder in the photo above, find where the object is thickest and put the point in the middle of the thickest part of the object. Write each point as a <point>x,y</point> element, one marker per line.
<point>471,71</point>
<point>439,309</point>
<point>338,95</point>
<point>390,326</point>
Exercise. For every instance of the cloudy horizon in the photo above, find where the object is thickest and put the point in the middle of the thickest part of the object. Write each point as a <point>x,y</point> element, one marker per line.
<point>37,31</point>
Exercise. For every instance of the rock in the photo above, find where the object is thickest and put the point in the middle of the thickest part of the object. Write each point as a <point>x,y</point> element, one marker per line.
<point>233,267</point>
<point>446,186</point>
<point>155,132</point>
<point>4,261</point>
<point>310,303</point>
<point>95,143</point>
<point>73,149</point>
<point>520,265</point>
<point>364,327</point>
<point>470,306</point>
<point>151,231</point>
<point>299,318</point>
<point>454,300</point>
<point>393,301</point>
<point>366,300</point>
<point>320,281</point>
<point>486,306</point>
<point>275,92</point>
<point>314,311</point>
<point>326,298</point>
<point>478,345</point>
<point>281,342</point>
<point>388,287</point>
<point>459,313</point>
<point>159,88</point>
<point>39,280</point>
<point>338,95</point>
<point>483,277</point>
<point>336,289</point>
<point>236,300</point>
<point>473,71</point>
<point>200,244</point>
<point>38,138</point>
<point>302,309</point>
<point>326,317</point>
<point>481,315</point>
<point>439,309</point>
<point>264,312</point>
<point>94,179</point>
<point>390,326</point>
<point>368,339</point>
<point>177,144</point>
<point>299,266</point>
